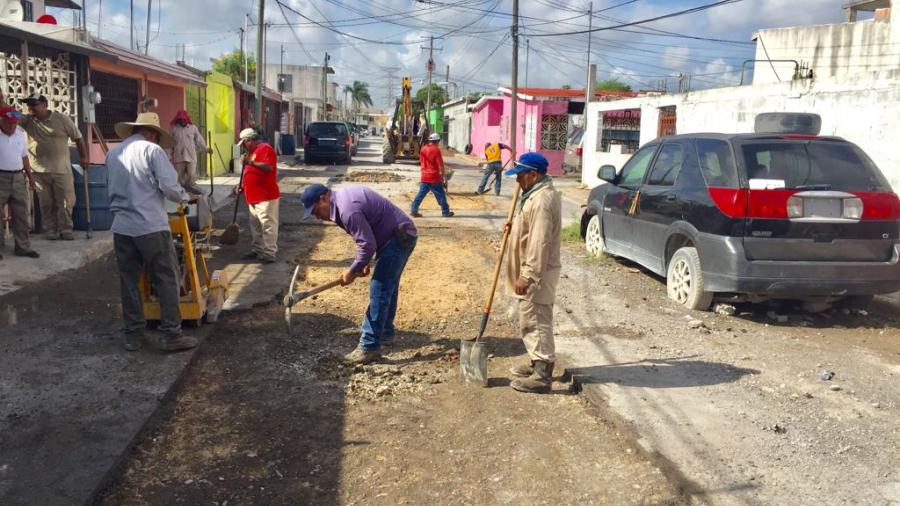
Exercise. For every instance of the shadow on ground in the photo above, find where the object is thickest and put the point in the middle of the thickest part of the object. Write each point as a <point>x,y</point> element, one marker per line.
<point>662,373</point>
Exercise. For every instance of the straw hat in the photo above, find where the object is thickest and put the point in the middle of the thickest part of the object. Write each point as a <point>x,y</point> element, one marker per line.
<point>149,120</point>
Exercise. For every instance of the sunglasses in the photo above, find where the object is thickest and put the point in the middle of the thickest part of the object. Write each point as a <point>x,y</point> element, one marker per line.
<point>11,116</point>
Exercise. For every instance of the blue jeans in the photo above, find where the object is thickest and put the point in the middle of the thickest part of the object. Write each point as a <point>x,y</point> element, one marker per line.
<point>492,168</point>
<point>383,291</point>
<point>438,190</point>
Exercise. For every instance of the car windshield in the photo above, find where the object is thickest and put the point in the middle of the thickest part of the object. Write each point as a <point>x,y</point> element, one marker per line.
<point>811,165</point>
<point>326,130</point>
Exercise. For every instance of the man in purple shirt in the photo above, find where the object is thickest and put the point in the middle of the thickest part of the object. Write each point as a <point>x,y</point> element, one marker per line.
<point>380,230</point>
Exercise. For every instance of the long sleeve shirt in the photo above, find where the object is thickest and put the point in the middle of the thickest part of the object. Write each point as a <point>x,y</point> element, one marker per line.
<point>369,218</point>
<point>187,139</point>
<point>532,252</point>
<point>140,179</point>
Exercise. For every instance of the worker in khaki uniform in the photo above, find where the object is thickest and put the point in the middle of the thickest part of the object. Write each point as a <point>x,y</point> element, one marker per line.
<point>184,154</point>
<point>15,178</point>
<point>49,133</point>
<point>532,269</point>
<point>260,187</point>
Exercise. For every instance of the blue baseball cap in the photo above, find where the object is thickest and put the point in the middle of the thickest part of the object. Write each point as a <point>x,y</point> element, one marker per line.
<point>310,196</point>
<point>529,162</point>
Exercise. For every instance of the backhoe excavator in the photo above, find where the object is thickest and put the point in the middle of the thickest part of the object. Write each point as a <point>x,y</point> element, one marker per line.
<point>407,130</point>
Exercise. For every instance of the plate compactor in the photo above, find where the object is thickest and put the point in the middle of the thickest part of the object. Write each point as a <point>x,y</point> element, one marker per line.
<point>202,294</point>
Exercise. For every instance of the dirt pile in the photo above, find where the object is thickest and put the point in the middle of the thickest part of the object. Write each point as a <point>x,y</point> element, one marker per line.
<point>270,418</point>
<point>373,176</point>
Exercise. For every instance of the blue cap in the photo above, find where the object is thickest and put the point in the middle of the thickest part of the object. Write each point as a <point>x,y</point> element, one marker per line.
<point>310,196</point>
<point>529,162</point>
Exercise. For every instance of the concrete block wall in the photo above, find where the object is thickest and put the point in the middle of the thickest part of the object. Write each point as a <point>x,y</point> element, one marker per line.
<point>859,109</point>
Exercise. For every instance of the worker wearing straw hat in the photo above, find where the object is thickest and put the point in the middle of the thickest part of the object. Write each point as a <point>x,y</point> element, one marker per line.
<point>141,178</point>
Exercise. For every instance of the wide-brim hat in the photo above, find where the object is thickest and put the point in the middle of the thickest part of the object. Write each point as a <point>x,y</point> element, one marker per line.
<point>147,120</point>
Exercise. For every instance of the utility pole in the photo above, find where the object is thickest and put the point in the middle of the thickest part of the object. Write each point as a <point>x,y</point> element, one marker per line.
<point>589,88</point>
<point>265,56</point>
<point>132,25</point>
<point>247,31</point>
<point>260,27</point>
<point>325,87</point>
<point>99,18</point>
<point>147,39</point>
<point>514,88</point>
<point>430,70</point>
<point>281,70</point>
<point>527,54</point>
<point>243,57</point>
<point>447,87</point>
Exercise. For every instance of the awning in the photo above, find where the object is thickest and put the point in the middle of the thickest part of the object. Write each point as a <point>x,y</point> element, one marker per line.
<point>120,54</point>
<point>52,36</point>
<point>62,4</point>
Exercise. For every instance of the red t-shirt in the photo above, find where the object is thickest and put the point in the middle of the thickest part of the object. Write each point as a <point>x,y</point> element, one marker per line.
<point>260,186</point>
<point>431,161</point>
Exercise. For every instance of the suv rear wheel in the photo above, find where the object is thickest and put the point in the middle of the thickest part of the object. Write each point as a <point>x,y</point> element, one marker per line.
<point>684,280</point>
<point>593,237</point>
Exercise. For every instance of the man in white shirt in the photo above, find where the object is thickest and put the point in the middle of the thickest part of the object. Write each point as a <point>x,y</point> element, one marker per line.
<point>15,172</point>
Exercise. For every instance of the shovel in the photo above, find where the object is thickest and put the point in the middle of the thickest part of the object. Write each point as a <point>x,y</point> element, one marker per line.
<point>292,298</point>
<point>472,353</point>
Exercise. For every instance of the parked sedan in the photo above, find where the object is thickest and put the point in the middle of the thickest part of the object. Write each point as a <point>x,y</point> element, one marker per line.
<point>327,140</point>
<point>753,216</point>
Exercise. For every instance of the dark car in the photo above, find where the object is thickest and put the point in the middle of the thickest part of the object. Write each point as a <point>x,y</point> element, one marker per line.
<point>327,141</point>
<point>751,216</point>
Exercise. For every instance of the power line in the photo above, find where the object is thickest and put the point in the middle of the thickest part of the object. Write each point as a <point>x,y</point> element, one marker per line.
<point>640,22</point>
<point>294,33</point>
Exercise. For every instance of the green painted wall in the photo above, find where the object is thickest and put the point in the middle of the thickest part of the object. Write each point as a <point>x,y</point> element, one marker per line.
<point>220,113</point>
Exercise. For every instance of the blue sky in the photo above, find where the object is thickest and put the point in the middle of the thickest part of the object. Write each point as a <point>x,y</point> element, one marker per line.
<point>475,43</point>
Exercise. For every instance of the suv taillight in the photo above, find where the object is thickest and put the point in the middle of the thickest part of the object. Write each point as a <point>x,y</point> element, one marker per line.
<point>578,151</point>
<point>781,204</point>
<point>347,141</point>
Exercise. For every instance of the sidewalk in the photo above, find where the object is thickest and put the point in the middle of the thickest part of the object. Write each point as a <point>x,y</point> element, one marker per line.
<point>60,256</point>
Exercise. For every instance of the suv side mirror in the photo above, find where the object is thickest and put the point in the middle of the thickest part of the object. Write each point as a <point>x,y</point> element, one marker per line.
<point>607,173</point>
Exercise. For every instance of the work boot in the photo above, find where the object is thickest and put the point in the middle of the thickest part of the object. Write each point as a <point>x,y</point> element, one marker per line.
<point>448,215</point>
<point>540,380</point>
<point>415,214</point>
<point>362,356</point>
<point>133,341</point>
<point>67,236</point>
<point>178,342</point>
<point>522,370</point>
<point>30,253</point>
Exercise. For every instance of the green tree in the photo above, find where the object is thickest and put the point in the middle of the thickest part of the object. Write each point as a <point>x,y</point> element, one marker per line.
<point>612,85</point>
<point>359,93</point>
<point>567,86</point>
<point>476,96</point>
<point>232,64</point>
<point>438,95</point>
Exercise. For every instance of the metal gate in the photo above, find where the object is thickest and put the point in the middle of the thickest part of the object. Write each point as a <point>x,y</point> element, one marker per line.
<point>666,121</point>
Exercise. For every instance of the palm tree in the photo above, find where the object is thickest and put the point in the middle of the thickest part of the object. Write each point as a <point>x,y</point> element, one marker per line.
<point>359,93</point>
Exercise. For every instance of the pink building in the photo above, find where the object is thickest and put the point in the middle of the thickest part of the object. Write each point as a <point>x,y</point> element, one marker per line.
<point>543,121</point>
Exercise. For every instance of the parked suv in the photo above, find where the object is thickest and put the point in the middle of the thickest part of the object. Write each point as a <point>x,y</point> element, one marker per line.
<point>768,215</point>
<point>327,140</point>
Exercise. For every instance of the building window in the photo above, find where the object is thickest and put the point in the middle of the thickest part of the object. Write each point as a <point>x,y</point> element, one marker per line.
<point>619,127</point>
<point>554,128</point>
<point>120,101</point>
<point>285,83</point>
<point>28,10</point>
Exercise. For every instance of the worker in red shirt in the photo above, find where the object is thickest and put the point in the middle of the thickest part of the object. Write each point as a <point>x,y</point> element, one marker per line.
<point>260,187</point>
<point>433,177</point>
